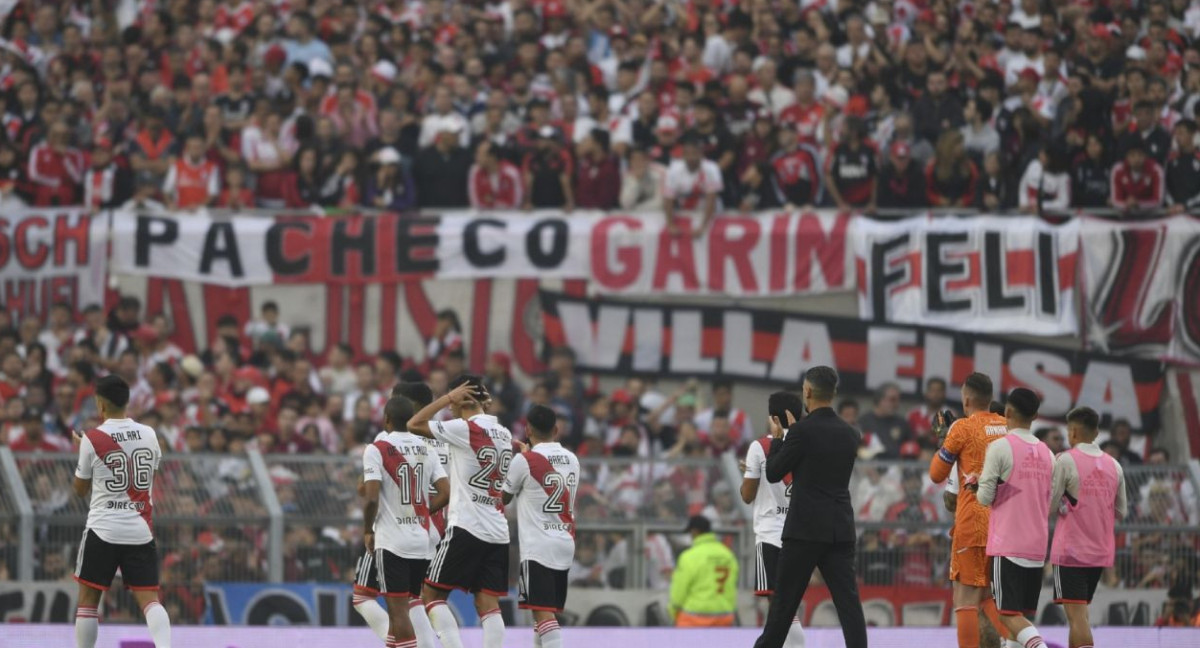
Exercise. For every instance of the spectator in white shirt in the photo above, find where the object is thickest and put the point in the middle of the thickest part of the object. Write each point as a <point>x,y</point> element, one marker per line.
<point>692,184</point>
<point>770,93</point>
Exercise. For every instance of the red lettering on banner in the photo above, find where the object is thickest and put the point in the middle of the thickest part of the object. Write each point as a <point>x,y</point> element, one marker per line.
<point>481,308</point>
<point>79,234</point>
<point>30,259</point>
<point>1020,268</point>
<point>1066,270</point>
<point>722,247</point>
<point>828,249</point>
<point>628,257</point>
<point>64,289</point>
<point>676,255</point>
<point>777,272</point>
<point>219,300</point>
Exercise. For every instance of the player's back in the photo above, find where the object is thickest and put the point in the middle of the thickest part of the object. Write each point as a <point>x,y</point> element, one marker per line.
<point>480,450</point>
<point>120,456</point>
<point>969,438</point>
<point>547,477</point>
<point>772,500</point>
<point>406,468</point>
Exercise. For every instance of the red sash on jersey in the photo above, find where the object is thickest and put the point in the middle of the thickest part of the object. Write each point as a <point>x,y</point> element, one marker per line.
<point>539,467</point>
<point>392,460</point>
<point>765,442</point>
<point>103,444</point>
<point>479,440</point>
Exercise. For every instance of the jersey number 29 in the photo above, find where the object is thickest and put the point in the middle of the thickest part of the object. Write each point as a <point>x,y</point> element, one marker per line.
<point>493,465</point>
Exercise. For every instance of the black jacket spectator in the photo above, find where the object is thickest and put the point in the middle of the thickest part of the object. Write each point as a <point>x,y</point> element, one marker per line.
<point>901,181</point>
<point>441,176</point>
<point>937,110</point>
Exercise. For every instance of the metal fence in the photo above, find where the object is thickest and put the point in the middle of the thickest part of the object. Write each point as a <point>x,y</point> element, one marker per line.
<point>289,518</point>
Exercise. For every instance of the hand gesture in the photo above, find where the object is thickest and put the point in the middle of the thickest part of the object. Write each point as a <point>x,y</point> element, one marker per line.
<point>461,393</point>
<point>775,427</point>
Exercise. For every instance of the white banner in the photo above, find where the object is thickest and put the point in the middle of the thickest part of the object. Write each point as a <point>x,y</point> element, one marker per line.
<point>50,256</point>
<point>989,274</point>
<point>755,255</point>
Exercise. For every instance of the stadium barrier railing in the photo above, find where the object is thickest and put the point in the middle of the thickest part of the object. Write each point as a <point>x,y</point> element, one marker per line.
<point>297,518</point>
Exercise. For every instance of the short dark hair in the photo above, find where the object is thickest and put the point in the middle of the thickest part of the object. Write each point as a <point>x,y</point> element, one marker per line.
<point>227,320</point>
<point>270,306</point>
<point>479,391</point>
<point>1085,416</point>
<point>848,402</point>
<point>980,385</point>
<point>722,383</point>
<point>883,390</point>
<point>392,358</point>
<point>782,402</point>
<point>397,412</point>
<point>939,381</point>
<point>113,389</point>
<point>823,380</point>
<point>1025,402</point>
<point>417,392</point>
<point>541,421</point>
<point>995,407</point>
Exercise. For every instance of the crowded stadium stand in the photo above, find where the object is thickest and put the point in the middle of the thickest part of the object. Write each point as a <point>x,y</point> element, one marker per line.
<point>647,215</point>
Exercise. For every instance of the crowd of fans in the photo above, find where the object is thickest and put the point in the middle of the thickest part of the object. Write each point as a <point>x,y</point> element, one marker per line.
<point>601,104</point>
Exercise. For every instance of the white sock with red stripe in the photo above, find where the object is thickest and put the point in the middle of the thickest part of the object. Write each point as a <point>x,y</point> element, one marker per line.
<point>795,635</point>
<point>87,626</point>
<point>407,643</point>
<point>549,633</point>
<point>159,624</point>
<point>493,629</point>
<point>1030,638</point>
<point>389,642</point>
<point>443,621</point>
<point>426,637</point>
<point>373,613</point>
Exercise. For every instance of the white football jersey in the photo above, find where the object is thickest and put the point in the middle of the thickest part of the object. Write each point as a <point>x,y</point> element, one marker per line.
<point>544,481</point>
<point>438,519</point>
<point>771,502</point>
<point>480,450</point>
<point>406,468</point>
<point>120,457</point>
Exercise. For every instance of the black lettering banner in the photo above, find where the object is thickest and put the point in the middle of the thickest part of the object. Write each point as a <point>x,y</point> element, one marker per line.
<point>772,346</point>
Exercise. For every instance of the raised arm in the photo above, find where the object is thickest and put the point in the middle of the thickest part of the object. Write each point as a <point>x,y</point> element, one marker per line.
<point>419,423</point>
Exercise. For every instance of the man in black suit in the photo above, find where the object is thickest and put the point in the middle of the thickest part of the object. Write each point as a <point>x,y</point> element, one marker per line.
<point>819,452</point>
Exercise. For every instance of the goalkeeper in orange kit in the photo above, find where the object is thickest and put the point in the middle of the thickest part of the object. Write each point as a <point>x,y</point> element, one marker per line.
<point>965,442</point>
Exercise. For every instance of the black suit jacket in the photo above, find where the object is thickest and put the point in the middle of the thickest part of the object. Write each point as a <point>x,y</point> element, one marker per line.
<point>819,452</point>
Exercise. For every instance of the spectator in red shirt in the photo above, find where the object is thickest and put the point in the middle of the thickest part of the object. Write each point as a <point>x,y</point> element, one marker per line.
<point>236,195</point>
<point>56,169</point>
<point>494,183</point>
<point>597,174</point>
<point>1137,181</point>
<point>151,150</point>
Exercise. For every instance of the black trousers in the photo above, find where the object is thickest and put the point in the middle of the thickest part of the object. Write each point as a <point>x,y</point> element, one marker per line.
<point>797,560</point>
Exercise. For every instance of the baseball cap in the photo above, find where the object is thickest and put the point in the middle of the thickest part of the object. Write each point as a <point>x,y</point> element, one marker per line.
<point>621,396</point>
<point>1030,73</point>
<point>319,67</point>
<point>554,9</point>
<point>384,70</point>
<point>667,124</point>
<point>258,396</point>
<point>388,155</point>
<point>900,149</point>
